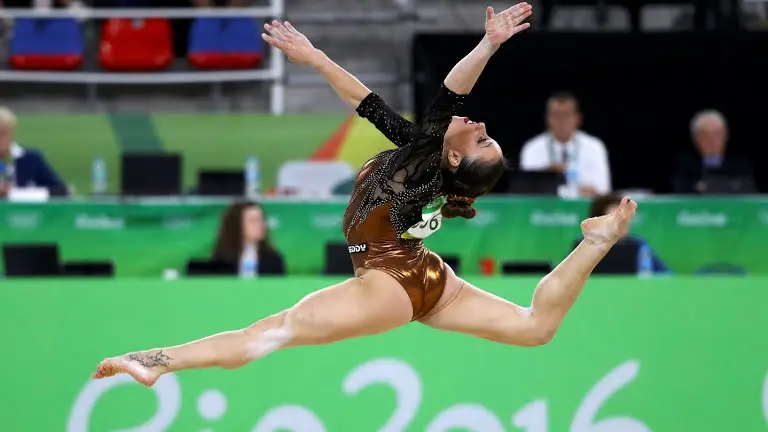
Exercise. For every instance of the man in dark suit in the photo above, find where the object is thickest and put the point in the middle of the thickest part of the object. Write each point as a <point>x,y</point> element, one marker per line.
<point>710,135</point>
<point>23,167</point>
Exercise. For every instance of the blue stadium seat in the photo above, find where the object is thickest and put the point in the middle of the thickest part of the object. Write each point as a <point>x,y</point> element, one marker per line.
<point>204,35</point>
<point>242,36</point>
<point>47,44</point>
<point>225,43</point>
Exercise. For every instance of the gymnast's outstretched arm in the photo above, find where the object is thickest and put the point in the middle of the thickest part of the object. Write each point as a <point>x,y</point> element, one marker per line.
<point>498,29</point>
<point>300,50</point>
<point>462,78</point>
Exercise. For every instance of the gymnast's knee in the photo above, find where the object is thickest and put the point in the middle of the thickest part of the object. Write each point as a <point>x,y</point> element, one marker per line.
<point>260,339</point>
<point>535,332</point>
<point>538,336</point>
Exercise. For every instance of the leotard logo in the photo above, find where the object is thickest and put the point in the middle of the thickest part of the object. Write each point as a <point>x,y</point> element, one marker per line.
<point>358,248</point>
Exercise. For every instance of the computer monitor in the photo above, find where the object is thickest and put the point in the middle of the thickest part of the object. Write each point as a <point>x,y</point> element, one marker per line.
<point>151,174</point>
<point>31,259</point>
<point>534,182</point>
<point>220,183</point>
<point>728,182</point>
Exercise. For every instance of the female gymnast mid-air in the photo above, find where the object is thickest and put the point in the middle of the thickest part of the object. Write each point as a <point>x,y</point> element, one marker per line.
<point>400,197</point>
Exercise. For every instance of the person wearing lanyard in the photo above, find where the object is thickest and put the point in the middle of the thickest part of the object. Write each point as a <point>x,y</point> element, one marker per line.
<point>581,157</point>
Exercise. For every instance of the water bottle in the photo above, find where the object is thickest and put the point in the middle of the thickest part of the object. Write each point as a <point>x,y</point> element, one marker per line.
<point>572,175</point>
<point>644,261</point>
<point>252,178</point>
<point>99,176</point>
<point>7,173</point>
<point>248,263</point>
<point>571,189</point>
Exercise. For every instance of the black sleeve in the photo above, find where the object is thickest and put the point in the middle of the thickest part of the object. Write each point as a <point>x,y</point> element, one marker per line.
<point>397,129</point>
<point>434,124</point>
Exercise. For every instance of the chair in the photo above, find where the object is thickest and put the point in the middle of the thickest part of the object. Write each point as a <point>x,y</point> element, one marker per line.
<point>46,44</point>
<point>205,267</point>
<point>225,43</point>
<point>29,259</point>
<point>344,187</point>
<point>702,8</point>
<point>151,174</point>
<point>337,259</point>
<point>136,45</point>
<point>526,267</point>
<point>312,178</point>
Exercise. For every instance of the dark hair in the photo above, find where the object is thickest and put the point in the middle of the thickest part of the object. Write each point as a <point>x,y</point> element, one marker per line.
<point>601,203</point>
<point>564,96</point>
<point>470,180</point>
<point>229,242</point>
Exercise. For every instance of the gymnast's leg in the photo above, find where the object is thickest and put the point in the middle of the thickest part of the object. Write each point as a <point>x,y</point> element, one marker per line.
<point>372,303</point>
<point>467,309</point>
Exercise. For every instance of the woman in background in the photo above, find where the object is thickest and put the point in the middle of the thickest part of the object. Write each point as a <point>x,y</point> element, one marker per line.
<point>244,240</point>
<point>607,204</point>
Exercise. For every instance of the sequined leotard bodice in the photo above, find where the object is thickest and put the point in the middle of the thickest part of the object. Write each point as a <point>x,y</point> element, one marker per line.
<point>390,192</point>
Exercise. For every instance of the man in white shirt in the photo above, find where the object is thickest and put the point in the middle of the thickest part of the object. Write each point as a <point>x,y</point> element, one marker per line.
<point>566,149</point>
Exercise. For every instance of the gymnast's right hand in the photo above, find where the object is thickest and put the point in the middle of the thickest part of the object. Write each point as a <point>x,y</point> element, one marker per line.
<point>290,41</point>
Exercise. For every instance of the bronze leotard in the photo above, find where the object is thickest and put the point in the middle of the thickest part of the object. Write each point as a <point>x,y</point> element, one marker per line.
<point>373,244</point>
<point>389,194</point>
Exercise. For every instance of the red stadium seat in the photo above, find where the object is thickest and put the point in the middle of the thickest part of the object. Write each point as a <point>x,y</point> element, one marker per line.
<point>136,45</point>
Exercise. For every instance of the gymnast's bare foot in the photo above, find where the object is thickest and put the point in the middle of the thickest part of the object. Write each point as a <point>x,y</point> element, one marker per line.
<point>144,367</point>
<point>608,229</point>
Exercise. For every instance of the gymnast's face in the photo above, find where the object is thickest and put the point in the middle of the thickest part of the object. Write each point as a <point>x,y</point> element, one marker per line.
<point>466,138</point>
<point>254,228</point>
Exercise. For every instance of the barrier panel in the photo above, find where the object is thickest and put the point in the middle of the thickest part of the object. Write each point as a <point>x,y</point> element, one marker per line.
<point>679,354</point>
<point>144,238</point>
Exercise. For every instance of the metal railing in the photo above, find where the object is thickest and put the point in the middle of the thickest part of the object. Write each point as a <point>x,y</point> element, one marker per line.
<point>274,73</point>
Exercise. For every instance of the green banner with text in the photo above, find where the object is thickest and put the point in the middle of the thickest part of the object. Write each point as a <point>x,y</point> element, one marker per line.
<point>658,355</point>
<point>144,239</point>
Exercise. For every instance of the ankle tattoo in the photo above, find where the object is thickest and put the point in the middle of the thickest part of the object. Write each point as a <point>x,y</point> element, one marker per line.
<point>151,360</point>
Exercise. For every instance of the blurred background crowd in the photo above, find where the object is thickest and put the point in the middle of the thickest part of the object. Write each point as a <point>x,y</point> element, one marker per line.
<point>148,138</point>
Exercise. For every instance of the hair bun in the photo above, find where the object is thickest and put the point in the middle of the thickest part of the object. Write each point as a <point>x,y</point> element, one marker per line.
<point>458,206</point>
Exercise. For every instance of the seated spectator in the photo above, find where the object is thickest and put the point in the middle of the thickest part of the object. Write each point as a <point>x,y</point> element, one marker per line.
<point>243,239</point>
<point>606,204</point>
<point>20,166</point>
<point>709,131</point>
<point>564,146</point>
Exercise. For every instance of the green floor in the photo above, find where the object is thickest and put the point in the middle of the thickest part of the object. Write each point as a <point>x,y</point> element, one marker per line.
<point>675,354</point>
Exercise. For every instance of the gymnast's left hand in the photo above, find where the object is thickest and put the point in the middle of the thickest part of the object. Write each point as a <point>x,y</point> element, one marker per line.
<point>499,27</point>
<point>290,41</point>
